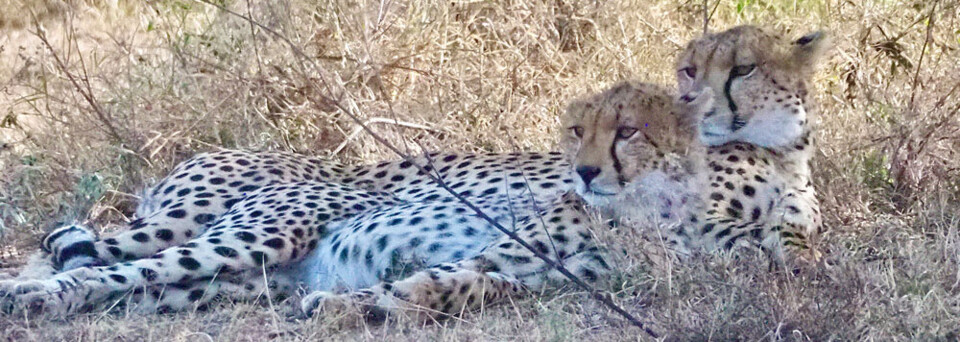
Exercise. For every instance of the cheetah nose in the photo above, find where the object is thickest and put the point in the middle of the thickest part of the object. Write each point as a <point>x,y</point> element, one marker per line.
<point>588,173</point>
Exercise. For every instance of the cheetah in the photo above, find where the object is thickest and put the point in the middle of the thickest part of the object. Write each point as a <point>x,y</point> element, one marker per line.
<point>241,224</point>
<point>758,129</point>
<point>222,222</point>
<point>377,228</point>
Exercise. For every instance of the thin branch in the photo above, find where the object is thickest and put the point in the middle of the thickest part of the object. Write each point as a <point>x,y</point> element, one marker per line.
<point>923,52</point>
<point>706,16</point>
<point>86,93</point>
<point>426,169</point>
<point>353,134</point>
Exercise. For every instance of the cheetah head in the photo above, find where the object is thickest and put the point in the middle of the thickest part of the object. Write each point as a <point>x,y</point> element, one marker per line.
<point>758,82</point>
<point>618,136</point>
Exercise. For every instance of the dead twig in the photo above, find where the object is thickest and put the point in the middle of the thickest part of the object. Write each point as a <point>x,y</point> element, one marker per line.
<point>923,52</point>
<point>86,92</point>
<point>356,131</point>
<point>706,16</point>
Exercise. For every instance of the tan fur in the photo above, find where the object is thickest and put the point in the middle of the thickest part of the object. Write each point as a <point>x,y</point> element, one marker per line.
<point>628,105</point>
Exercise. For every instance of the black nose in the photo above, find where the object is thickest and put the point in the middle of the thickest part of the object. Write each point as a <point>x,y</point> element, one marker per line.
<point>588,173</point>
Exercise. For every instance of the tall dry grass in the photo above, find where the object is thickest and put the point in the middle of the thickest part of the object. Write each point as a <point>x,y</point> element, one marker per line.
<point>167,79</point>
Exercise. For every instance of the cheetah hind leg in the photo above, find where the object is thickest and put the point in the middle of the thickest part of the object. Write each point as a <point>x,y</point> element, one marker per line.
<point>432,294</point>
<point>247,286</point>
<point>64,248</point>
<point>71,247</point>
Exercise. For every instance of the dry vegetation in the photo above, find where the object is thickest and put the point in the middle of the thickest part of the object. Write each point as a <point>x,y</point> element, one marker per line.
<point>174,77</point>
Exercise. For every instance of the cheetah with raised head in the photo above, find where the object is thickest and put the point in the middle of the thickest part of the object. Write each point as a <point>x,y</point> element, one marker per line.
<point>756,184</point>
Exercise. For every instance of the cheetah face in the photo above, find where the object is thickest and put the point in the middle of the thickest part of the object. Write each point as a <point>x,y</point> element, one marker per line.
<point>617,136</point>
<point>758,83</point>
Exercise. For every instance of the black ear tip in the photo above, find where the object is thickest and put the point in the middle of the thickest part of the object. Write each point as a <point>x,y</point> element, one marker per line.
<point>807,39</point>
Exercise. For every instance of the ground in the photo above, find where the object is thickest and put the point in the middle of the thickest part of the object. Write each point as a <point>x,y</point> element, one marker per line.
<point>124,92</point>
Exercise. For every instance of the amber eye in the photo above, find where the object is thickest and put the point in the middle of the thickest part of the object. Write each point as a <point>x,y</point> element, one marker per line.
<point>625,132</point>
<point>577,131</point>
<point>690,71</point>
<point>742,70</point>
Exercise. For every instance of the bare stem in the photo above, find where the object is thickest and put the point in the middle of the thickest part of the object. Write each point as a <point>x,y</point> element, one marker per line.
<point>85,92</point>
<point>923,52</point>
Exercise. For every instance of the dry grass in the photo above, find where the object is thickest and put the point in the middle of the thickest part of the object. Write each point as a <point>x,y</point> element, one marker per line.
<point>176,77</point>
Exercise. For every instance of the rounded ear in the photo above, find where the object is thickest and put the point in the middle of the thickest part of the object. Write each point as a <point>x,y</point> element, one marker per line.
<point>807,50</point>
<point>575,110</point>
<point>693,106</point>
<point>689,110</point>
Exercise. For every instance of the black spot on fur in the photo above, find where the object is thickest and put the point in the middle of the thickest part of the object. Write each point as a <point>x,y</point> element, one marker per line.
<point>230,202</point>
<point>225,252</point>
<point>118,278</point>
<point>203,218</point>
<point>178,213</point>
<point>259,258</point>
<point>164,234</point>
<point>189,263</point>
<point>148,274</point>
<point>141,237</point>
<point>246,237</point>
<point>275,243</point>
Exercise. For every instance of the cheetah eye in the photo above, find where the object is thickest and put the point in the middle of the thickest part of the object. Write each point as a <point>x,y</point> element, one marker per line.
<point>626,132</point>
<point>742,70</point>
<point>577,131</point>
<point>689,71</point>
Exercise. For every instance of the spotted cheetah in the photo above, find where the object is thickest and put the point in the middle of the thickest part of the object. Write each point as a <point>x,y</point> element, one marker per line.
<point>381,227</point>
<point>756,184</point>
<point>220,221</point>
<point>382,233</point>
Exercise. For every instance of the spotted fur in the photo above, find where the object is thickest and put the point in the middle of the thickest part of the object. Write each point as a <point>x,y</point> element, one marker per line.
<point>757,183</point>
<point>223,220</point>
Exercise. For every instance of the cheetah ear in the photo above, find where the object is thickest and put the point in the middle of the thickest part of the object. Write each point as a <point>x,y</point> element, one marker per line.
<point>575,109</point>
<point>808,49</point>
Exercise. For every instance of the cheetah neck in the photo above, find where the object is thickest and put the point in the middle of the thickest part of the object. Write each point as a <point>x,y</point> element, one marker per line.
<point>661,195</point>
<point>794,159</point>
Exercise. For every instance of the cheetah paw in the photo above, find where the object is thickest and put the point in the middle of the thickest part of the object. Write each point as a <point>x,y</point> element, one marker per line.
<point>60,296</point>
<point>30,297</point>
<point>323,301</point>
